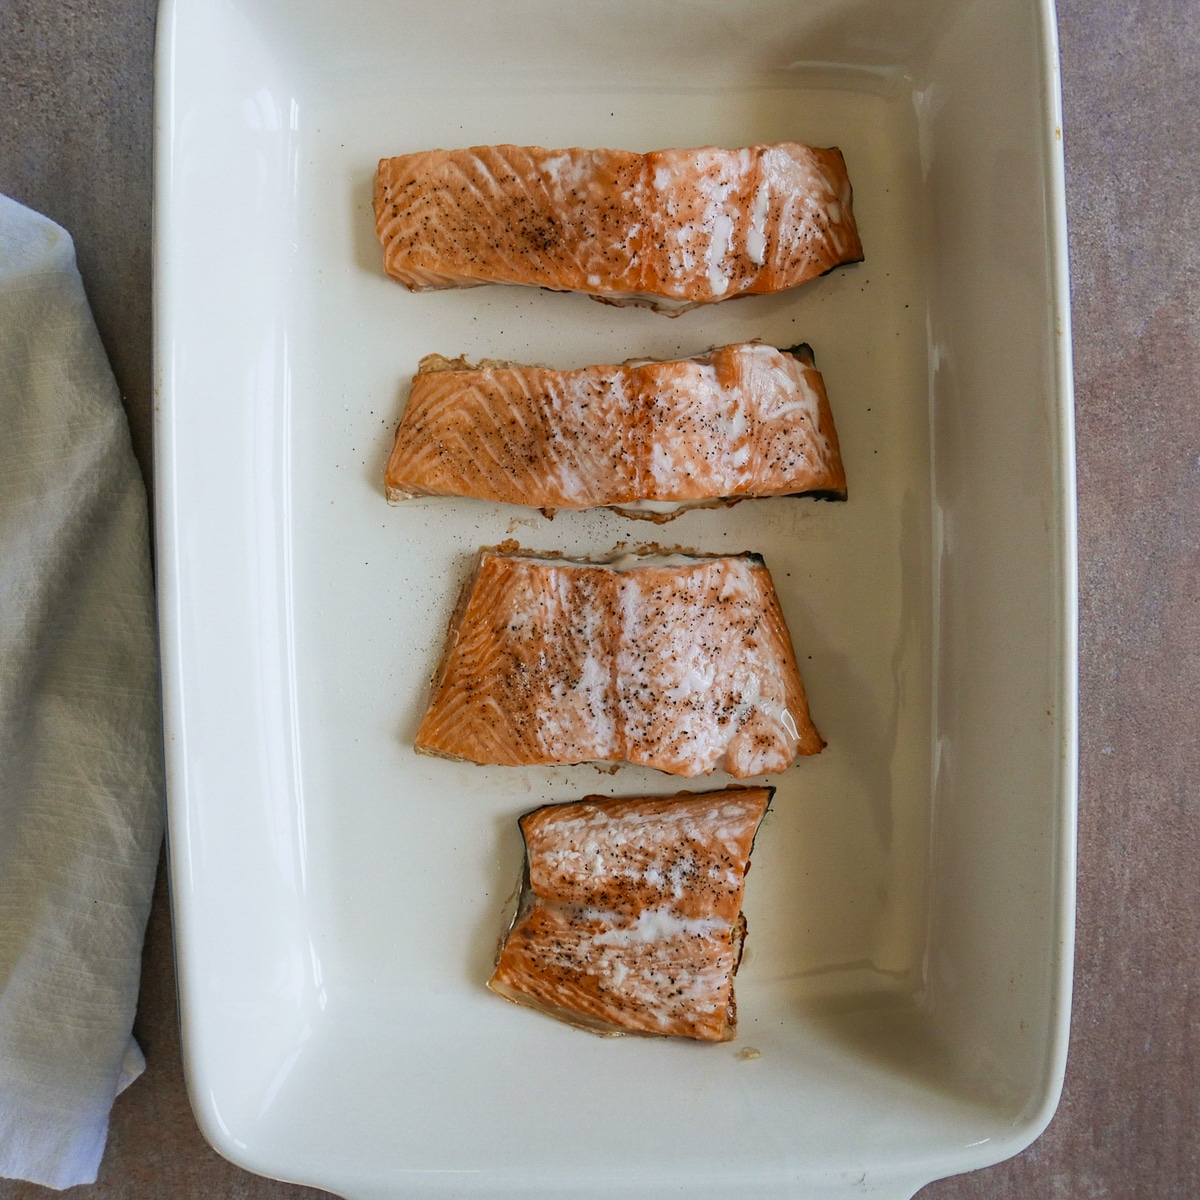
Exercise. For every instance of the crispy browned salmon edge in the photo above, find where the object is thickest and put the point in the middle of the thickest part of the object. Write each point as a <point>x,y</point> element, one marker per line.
<point>526,895</point>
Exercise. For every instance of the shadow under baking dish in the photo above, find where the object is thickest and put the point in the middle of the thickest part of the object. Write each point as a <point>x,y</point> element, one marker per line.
<point>338,898</point>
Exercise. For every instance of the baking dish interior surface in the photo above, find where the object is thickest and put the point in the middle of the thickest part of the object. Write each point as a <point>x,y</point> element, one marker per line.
<point>338,899</point>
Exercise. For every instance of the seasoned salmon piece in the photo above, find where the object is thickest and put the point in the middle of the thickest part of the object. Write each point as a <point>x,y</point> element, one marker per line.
<point>672,229</point>
<point>650,439</point>
<point>630,915</point>
<point>678,662</point>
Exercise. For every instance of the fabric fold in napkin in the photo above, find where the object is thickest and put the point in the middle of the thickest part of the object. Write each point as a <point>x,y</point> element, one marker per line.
<point>80,730</point>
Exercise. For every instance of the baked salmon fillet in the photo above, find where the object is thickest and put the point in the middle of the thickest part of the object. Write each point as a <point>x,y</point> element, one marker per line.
<point>678,662</point>
<point>672,229</point>
<point>649,439</point>
<point>630,916</point>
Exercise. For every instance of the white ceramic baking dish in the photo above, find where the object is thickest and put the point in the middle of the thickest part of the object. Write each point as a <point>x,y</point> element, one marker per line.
<point>337,899</point>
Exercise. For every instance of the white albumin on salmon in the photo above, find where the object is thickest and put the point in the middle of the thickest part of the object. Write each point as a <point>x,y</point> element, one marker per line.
<point>672,229</point>
<point>678,662</point>
<point>650,439</point>
<point>629,919</point>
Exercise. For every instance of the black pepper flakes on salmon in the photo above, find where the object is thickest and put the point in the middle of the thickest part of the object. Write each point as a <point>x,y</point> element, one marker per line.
<point>672,228</point>
<point>741,421</point>
<point>682,663</point>
<point>629,918</point>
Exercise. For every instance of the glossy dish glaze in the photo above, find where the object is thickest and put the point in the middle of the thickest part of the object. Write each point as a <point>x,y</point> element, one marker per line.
<point>337,897</point>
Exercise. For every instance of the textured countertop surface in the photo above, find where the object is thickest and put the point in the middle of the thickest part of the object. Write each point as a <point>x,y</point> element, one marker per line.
<point>75,143</point>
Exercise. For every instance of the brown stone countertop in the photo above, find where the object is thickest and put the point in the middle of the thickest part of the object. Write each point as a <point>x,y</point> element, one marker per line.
<point>75,143</point>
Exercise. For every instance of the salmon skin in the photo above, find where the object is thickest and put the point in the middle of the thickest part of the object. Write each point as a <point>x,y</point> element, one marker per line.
<point>672,229</point>
<point>678,662</point>
<point>630,915</point>
<point>650,439</point>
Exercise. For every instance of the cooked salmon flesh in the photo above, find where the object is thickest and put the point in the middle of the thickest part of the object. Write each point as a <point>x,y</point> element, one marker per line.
<point>678,662</point>
<point>650,439</point>
<point>630,913</point>
<point>672,229</point>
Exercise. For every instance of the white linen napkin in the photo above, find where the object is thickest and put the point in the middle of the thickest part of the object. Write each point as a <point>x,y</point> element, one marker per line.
<point>80,725</point>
